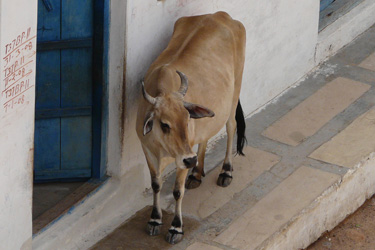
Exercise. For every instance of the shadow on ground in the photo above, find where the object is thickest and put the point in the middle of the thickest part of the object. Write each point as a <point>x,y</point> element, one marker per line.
<point>133,235</point>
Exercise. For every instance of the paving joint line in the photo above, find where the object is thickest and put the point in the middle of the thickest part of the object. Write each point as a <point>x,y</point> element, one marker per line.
<point>327,167</point>
<point>364,75</point>
<point>224,216</point>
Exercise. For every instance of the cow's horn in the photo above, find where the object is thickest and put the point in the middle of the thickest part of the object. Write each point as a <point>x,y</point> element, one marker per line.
<point>184,83</point>
<point>149,98</point>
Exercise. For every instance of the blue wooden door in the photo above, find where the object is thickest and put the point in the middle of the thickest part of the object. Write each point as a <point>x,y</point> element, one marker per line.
<point>325,3</point>
<point>63,112</point>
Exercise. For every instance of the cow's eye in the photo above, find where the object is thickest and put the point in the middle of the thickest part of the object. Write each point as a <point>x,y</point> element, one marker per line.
<point>165,127</point>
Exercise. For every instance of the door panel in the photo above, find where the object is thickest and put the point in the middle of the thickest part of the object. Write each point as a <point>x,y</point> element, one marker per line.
<point>63,127</point>
<point>79,22</point>
<point>76,144</point>
<point>47,139</point>
<point>76,82</point>
<point>49,21</point>
<point>48,80</point>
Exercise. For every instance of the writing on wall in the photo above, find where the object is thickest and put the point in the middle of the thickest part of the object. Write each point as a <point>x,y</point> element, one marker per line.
<point>17,73</point>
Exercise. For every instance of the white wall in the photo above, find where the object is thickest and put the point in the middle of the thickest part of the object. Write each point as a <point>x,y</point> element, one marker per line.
<point>281,39</point>
<point>17,50</point>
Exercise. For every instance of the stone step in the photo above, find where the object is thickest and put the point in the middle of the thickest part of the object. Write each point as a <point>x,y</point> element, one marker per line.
<point>209,197</point>
<point>352,144</point>
<point>314,112</point>
<point>277,208</point>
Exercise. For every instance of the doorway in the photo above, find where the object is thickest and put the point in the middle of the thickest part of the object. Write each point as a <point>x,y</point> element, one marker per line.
<point>70,82</point>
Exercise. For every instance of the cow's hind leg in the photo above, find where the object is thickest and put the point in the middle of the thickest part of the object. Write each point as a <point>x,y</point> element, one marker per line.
<point>195,179</point>
<point>225,177</point>
<point>236,119</point>
<point>175,232</point>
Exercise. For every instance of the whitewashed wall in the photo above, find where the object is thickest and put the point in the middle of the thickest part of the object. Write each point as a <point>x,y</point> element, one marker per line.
<point>281,40</point>
<point>17,87</point>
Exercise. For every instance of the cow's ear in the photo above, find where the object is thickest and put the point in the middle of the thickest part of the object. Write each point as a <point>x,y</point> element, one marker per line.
<point>147,125</point>
<point>198,111</point>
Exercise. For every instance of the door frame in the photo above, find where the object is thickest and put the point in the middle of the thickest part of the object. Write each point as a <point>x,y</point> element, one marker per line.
<point>100,88</point>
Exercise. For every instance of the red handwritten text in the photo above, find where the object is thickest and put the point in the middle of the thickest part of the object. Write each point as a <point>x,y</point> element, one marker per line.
<point>17,69</point>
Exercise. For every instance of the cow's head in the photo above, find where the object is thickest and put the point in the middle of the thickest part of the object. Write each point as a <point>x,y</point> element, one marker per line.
<point>168,121</point>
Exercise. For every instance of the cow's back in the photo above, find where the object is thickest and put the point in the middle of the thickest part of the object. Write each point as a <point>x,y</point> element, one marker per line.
<point>204,40</point>
<point>210,50</point>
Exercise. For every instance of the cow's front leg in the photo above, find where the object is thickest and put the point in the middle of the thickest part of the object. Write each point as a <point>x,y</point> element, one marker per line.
<point>175,232</point>
<point>156,167</point>
<point>195,179</point>
<point>155,222</point>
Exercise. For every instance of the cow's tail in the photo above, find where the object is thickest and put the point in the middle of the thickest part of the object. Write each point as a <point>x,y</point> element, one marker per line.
<point>241,128</point>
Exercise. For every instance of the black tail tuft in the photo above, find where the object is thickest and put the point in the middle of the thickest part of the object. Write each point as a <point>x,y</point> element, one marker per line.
<point>241,128</point>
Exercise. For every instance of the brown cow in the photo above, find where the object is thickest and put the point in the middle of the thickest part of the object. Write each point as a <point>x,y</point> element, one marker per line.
<point>180,110</point>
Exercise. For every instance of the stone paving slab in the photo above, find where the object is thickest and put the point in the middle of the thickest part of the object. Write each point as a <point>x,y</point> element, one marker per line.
<point>369,62</point>
<point>277,208</point>
<point>202,246</point>
<point>209,197</point>
<point>314,112</point>
<point>350,145</point>
<point>132,235</point>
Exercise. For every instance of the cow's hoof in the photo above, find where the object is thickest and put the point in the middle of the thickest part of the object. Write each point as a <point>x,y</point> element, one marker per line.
<point>192,182</point>
<point>174,236</point>
<point>224,180</point>
<point>153,228</point>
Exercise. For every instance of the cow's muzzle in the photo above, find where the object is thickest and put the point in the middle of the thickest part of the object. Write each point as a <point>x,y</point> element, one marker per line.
<point>190,162</point>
